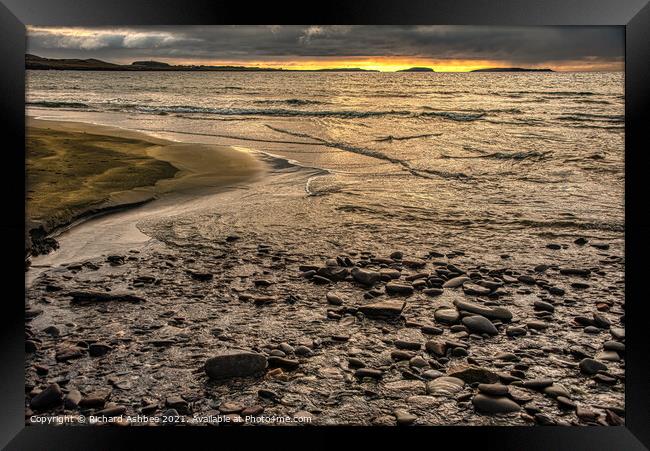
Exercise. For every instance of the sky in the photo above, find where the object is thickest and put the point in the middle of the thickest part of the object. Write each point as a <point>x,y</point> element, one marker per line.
<point>386,48</point>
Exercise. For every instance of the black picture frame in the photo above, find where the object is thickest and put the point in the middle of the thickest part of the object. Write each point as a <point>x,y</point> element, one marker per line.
<point>634,15</point>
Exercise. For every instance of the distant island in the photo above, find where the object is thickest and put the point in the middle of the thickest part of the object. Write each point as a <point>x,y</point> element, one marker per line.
<point>511,69</point>
<point>417,69</point>
<point>35,62</point>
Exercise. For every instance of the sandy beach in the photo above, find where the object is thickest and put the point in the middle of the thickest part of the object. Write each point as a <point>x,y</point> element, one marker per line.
<point>137,169</point>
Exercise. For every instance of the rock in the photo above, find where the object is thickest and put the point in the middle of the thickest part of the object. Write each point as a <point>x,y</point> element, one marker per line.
<point>72,399</point>
<point>353,362</point>
<point>52,331</point>
<point>601,246</point>
<point>418,362</point>
<point>235,364</point>
<point>556,390</point>
<point>200,276</point>
<point>401,355</point>
<point>470,374</point>
<point>480,325</point>
<point>114,411</point>
<point>499,313</point>
<point>528,280</point>
<point>438,348</point>
<point>581,241</point>
<point>303,351</point>
<point>368,372</point>
<point>333,299</point>
<point>493,389</point>
<point>50,397</point>
<point>543,306</point>
<point>282,362</point>
<point>397,255</point>
<point>455,282</point>
<point>445,386</point>
<point>565,403</point>
<point>591,366</point>
<point>365,277</point>
<point>601,321</point>
<point>410,345</point>
<point>616,346</point>
<point>98,349</point>
<point>389,274</point>
<point>515,331</point>
<point>414,263</point>
<point>475,289</point>
<point>586,414</point>
<point>86,297</point>
<point>574,271</point>
<point>320,280</point>
<point>65,353</point>
<point>494,404</point>
<point>537,384</point>
<point>403,417</point>
<point>433,291</point>
<point>388,308</point>
<point>446,315</point>
<point>398,288</point>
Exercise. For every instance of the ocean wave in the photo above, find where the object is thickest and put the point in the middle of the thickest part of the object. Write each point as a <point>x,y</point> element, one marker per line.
<point>590,117</point>
<point>517,156</point>
<point>296,102</point>
<point>423,173</point>
<point>58,104</point>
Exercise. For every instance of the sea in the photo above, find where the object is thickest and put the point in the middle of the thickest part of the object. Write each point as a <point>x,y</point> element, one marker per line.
<point>499,165</point>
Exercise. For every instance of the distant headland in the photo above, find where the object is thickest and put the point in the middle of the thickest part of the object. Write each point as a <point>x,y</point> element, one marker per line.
<point>35,62</point>
<point>417,69</point>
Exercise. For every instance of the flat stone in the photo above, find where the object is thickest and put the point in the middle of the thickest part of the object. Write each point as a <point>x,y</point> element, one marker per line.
<point>556,390</point>
<point>403,417</point>
<point>365,277</point>
<point>446,315</point>
<point>72,399</point>
<point>235,364</point>
<point>475,289</point>
<point>399,289</point>
<point>388,308</point>
<point>410,345</point>
<point>494,404</point>
<point>445,386</point>
<point>433,291</point>
<point>436,347</point>
<point>493,389</point>
<point>499,313</point>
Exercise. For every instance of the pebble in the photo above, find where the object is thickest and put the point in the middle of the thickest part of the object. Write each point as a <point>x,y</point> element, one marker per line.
<point>235,364</point>
<point>365,277</point>
<point>51,396</point>
<point>471,374</point>
<point>445,386</point>
<point>499,313</point>
<point>404,418</point>
<point>399,289</point>
<point>368,372</point>
<point>410,345</point>
<point>480,325</point>
<point>494,404</point>
<point>455,282</point>
<point>493,389</point>
<point>388,308</point>
<point>333,299</point>
<point>590,366</point>
<point>446,315</point>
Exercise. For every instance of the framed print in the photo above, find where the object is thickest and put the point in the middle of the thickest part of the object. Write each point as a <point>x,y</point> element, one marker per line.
<point>378,216</point>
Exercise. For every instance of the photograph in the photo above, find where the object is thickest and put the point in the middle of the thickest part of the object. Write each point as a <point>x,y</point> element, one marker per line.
<point>325,225</point>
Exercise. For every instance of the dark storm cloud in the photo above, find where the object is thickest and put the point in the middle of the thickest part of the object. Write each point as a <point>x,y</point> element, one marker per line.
<point>235,43</point>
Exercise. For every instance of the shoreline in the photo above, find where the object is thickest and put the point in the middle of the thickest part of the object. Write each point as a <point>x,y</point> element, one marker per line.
<point>195,171</point>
